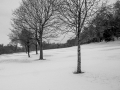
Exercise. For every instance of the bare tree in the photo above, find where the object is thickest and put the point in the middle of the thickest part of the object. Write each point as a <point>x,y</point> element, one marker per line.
<point>74,15</point>
<point>21,33</point>
<point>39,16</point>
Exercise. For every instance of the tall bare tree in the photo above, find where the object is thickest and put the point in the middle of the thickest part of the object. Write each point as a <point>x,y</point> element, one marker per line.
<point>75,14</point>
<point>39,16</point>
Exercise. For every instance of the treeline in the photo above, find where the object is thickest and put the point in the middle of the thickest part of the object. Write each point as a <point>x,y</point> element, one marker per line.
<point>7,49</point>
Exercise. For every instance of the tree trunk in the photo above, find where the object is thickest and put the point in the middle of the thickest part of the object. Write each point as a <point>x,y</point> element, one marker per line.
<point>36,48</point>
<point>78,38</point>
<point>16,47</point>
<point>28,50</point>
<point>36,41</point>
<point>41,48</point>
<point>79,57</point>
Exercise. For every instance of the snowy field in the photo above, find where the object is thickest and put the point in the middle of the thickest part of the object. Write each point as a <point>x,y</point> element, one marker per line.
<point>100,64</point>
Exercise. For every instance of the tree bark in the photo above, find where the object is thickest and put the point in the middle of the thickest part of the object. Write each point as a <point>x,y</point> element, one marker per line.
<point>36,41</point>
<point>28,50</point>
<point>79,56</point>
<point>41,48</point>
<point>36,48</point>
<point>78,38</point>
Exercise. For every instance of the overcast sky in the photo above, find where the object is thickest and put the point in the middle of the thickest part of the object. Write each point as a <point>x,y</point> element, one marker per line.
<point>6,9</point>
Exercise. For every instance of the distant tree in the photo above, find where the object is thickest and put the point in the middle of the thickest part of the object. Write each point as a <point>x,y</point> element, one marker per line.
<point>88,35</point>
<point>1,49</point>
<point>26,39</point>
<point>22,35</point>
<point>117,18</point>
<point>71,42</point>
<point>103,23</point>
<point>7,49</point>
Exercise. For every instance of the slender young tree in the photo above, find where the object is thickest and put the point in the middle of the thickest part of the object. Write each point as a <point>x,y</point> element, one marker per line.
<point>75,14</point>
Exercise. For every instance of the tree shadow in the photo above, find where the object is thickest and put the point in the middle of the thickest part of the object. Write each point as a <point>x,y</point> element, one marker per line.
<point>40,59</point>
<point>75,72</point>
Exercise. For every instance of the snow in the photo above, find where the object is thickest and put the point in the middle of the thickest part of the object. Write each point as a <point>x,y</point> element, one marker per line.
<point>100,64</point>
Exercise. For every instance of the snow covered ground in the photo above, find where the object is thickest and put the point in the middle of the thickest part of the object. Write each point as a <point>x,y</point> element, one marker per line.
<point>100,64</point>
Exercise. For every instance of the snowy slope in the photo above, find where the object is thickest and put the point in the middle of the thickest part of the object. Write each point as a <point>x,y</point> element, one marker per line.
<point>100,64</point>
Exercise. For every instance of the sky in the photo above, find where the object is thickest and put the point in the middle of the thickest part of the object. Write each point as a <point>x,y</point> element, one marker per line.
<point>6,9</point>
